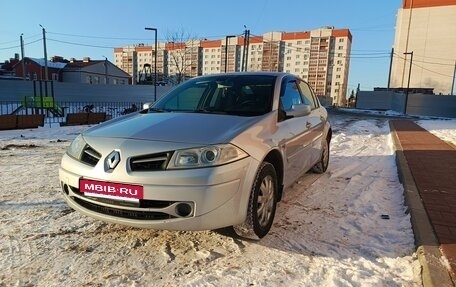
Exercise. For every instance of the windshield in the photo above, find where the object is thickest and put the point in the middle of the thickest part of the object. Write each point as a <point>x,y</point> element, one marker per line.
<point>243,95</point>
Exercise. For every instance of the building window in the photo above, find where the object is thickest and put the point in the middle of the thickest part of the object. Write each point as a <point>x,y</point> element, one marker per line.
<point>299,42</point>
<point>341,47</point>
<point>341,40</point>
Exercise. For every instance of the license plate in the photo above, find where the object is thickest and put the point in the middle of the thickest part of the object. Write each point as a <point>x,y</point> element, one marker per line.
<point>117,191</point>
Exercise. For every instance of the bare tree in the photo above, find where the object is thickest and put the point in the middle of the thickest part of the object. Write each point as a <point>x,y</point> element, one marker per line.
<point>181,48</point>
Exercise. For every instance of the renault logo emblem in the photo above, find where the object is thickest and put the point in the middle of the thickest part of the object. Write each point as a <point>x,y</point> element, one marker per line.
<point>112,160</point>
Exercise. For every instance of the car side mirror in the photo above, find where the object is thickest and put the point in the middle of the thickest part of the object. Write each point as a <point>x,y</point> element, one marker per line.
<point>146,106</point>
<point>299,110</point>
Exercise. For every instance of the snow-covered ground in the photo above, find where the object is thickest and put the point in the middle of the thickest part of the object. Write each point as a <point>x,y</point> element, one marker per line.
<point>347,227</point>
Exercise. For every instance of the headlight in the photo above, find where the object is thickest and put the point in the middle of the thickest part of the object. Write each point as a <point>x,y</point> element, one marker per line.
<point>206,156</point>
<point>76,147</point>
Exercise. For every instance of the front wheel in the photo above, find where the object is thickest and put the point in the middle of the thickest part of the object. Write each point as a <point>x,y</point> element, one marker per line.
<point>262,204</point>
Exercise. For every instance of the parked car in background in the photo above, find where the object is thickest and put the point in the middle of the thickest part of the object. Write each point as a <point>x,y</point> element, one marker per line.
<point>215,151</point>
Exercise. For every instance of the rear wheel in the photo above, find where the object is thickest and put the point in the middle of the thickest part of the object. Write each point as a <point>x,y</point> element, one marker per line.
<point>262,204</point>
<point>322,165</point>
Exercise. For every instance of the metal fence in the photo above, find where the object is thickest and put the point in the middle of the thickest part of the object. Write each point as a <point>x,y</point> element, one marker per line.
<point>417,104</point>
<point>56,112</point>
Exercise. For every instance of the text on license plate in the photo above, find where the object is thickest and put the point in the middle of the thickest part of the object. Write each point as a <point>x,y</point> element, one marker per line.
<point>111,190</point>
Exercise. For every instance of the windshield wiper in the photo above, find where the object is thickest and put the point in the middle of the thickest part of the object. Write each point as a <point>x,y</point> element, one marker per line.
<point>157,110</point>
<point>203,111</point>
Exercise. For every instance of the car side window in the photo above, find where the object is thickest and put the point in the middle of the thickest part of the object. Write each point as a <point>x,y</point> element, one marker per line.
<point>308,95</point>
<point>291,96</point>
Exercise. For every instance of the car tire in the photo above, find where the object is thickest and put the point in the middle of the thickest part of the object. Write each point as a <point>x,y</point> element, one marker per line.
<point>262,204</point>
<point>322,165</point>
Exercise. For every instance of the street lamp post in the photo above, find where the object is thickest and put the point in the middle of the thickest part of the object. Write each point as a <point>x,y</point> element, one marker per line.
<point>155,63</point>
<point>408,82</point>
<point>226,49</point>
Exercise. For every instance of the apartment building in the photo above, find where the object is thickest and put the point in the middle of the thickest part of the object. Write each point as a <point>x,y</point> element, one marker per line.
<point>211,62</point>
<point>139,61</point>
<point>320,56</point>
<point>424,45</point>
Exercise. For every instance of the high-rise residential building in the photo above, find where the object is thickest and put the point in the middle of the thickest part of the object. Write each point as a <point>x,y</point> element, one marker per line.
<point>211,60</point>
<point>139,61</point>
<point>320,56</point>
<point>424,45</point>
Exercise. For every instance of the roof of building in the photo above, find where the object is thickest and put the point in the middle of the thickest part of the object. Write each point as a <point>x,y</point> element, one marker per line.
<point>82,64</point>
<point>52,65</point>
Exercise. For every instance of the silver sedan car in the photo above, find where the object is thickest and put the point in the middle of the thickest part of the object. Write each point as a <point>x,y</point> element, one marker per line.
<point>216,151</point>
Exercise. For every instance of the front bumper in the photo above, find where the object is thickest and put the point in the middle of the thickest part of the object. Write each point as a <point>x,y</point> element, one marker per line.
<point>217,196</point>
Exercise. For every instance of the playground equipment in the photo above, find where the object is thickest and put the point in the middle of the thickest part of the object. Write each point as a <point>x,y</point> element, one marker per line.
<point>41,103</point>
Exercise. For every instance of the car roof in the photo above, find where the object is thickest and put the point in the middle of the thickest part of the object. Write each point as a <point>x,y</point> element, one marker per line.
<point>237,74</point>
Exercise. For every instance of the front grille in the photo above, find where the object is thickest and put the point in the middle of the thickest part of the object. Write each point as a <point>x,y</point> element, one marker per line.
<point>90,156</point>
<point>143,203</point>
<point>130,214</point>
<point>151,162</point>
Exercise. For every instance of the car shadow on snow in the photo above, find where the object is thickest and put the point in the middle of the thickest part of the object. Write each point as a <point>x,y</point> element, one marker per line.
<point>354,210</point>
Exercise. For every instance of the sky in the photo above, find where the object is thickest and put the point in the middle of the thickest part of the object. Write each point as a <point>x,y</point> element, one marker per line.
<point>86,28</point>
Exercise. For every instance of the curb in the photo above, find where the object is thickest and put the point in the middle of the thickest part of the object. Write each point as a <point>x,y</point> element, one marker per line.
<point>433,272</point>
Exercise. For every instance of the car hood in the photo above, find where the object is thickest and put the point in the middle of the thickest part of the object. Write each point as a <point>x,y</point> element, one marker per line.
<point>192,128</point>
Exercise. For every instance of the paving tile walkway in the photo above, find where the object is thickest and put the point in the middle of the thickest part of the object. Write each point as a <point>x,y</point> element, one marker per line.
<point>432,163</point>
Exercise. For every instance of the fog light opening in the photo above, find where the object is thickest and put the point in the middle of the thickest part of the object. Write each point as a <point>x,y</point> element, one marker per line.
<point>183,209</point>
<point>65,189</point>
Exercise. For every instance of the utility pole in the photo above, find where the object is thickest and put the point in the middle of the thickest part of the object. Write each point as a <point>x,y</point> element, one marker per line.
<point>408,82</point>
<point>155,62</point>
<point>106,69</point>
<point>391,64</point>
<point>45,54</point>
<point>247,49</point>
<point>22,55</point>
<point>243,50</point>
